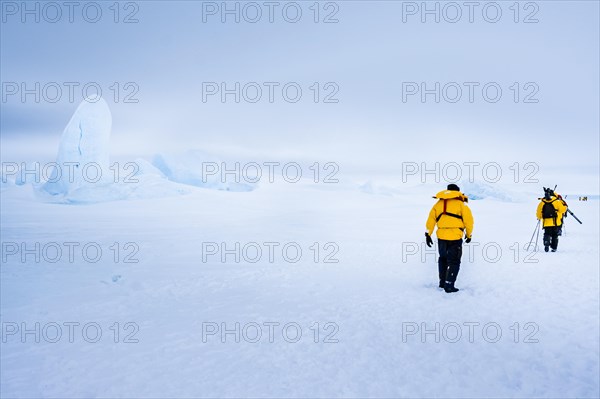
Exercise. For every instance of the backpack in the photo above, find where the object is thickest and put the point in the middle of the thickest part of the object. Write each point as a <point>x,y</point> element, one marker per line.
<point>549,211</point>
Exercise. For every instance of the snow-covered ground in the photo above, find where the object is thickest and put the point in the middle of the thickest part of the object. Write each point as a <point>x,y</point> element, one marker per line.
<point>524,324</point>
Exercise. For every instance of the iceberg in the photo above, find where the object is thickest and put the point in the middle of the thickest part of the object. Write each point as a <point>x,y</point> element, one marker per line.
<point>189,168</point>
<point>82,171</point>
<point>477,190</point>
<point>84,154</point>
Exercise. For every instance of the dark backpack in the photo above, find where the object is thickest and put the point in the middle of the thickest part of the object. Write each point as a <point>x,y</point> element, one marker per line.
<point>549,211</point>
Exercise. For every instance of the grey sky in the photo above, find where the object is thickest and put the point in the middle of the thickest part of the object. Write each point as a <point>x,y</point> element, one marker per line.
<point>367,55</point>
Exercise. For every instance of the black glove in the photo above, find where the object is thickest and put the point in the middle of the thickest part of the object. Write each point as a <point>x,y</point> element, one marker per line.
<point>468,240</point>
<point>428,240</point>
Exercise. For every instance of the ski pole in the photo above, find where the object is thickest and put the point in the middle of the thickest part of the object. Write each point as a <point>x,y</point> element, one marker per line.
<point>533,235</point>
<point>537,238</point>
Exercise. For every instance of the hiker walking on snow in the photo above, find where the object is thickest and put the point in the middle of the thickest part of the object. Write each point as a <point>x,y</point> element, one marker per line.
<point>551,209</point>
<point>454,219</point>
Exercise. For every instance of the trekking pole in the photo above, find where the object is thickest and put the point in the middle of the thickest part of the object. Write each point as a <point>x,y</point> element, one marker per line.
<point>537,226</point>
<point>537,238</point>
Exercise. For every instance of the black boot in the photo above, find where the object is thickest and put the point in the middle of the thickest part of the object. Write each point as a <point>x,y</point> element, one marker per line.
<point>442,283</point>
<point>449,287</point>
<point>546,247</point>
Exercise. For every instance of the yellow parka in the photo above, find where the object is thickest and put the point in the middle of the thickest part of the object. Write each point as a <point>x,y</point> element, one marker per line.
<point>560,211</point>
<point>450,227</point>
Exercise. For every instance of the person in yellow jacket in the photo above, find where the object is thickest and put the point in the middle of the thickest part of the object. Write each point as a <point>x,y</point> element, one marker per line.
<point>454,220</point>
<point>551,210</point>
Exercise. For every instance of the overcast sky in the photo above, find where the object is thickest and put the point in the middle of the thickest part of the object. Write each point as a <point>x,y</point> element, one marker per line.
<point>367,60</point>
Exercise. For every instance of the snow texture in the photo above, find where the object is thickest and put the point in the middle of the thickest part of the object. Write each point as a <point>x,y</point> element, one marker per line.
<point>371,294</point>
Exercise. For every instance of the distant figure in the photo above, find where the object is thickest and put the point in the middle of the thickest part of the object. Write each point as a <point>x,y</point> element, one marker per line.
<point>551,209</point>
<point>453,217</point>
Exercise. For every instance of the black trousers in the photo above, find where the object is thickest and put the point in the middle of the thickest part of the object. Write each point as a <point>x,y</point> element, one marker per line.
<point>449,261</point>
<point>551,236</point>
